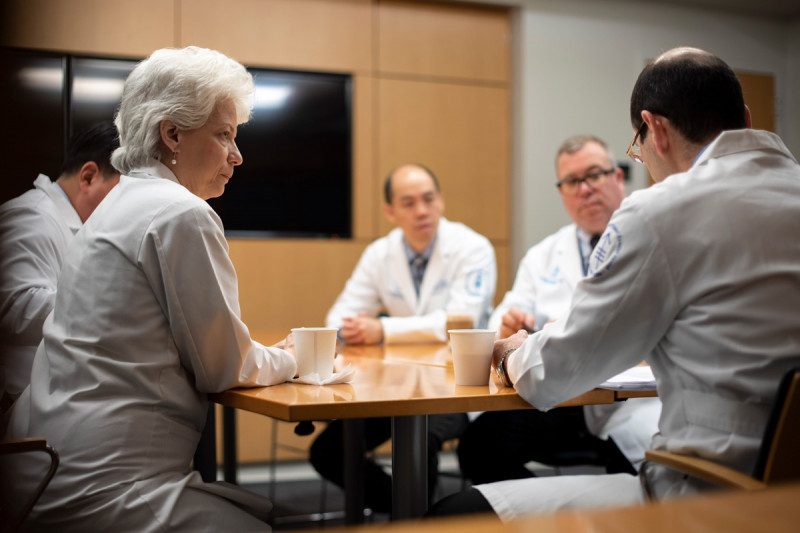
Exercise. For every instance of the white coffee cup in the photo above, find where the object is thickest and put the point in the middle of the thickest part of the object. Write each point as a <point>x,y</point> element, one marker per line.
<point>315,349</point>
<point>472,355</point>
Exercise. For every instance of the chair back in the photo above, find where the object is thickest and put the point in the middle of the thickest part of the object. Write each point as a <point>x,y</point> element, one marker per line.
<point>779,456</point>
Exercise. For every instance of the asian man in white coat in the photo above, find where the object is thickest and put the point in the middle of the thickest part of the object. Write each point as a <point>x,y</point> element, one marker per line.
<point>423,269</point>
<point>698,272</point>
<point>615,436</point>
<point>35,229</point>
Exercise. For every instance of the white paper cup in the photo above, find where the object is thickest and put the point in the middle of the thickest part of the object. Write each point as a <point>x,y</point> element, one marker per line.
<point>472,355</point>
<point>315,349</point>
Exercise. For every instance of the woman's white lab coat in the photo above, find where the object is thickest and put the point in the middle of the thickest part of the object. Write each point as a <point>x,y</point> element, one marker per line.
<point>701,273</point>
<point>460,278</point>
<point>146,322</point>
<point>543,287</point>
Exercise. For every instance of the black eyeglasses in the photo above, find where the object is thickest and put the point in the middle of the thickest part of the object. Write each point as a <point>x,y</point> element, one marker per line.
<point>634,150</point>
<point>571,185</point>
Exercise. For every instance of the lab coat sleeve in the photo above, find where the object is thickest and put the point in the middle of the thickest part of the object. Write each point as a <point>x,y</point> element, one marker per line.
<point>30,261</point>
<point>471,289</point>
<point>360,293</point>
<point>618,313</point>
<point>185,257</point>
<point>523,293</point>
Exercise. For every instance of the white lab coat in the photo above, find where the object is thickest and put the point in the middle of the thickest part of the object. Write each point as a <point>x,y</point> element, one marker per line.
<point>35,229</point>
<point>701,273</point>
<point>460,278</point>
<point>146,322</point>
<point>543,287</point>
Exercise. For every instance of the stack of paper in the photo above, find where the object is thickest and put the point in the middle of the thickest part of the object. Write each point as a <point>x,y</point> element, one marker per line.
<point>636,378</point>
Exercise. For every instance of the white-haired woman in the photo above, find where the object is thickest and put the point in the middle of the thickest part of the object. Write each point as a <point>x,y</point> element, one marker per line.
<point>146,320</point>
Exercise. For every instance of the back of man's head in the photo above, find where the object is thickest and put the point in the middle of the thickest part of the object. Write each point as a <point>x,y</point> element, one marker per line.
<point>94,144</point>
<point>697,91</point>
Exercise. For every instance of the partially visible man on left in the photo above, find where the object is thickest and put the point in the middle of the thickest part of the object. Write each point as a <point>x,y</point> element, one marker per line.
<point>35,230</point>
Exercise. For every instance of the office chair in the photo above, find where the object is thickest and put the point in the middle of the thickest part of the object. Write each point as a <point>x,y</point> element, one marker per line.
<point>24,446</point>
<point>777,457</point>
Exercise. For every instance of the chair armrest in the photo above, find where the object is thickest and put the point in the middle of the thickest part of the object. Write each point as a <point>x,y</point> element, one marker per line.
<point>707,470</point>
<point>22,445</point>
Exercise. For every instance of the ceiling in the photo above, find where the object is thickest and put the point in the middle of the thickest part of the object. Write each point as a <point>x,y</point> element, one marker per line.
<point>786,9</point>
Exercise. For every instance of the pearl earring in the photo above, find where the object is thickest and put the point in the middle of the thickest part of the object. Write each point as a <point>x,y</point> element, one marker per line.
<point>173,159</point>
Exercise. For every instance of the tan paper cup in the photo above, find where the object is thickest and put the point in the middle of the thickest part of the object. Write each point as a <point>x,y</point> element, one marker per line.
<point>472,355</point>
<point>315,349</point>
<point>459,320</point>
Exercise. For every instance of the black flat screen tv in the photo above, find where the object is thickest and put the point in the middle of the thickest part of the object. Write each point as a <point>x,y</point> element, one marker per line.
<point>295,181</point>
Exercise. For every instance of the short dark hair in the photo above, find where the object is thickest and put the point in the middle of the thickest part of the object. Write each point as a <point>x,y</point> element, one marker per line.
<point>387,184</point>
<point>93,144</point>
<point>697,91</point>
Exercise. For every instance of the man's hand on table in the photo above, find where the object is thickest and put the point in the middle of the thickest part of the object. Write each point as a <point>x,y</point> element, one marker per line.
<point>361,329</point>
<point>514,320</point>
<point>506,347</point>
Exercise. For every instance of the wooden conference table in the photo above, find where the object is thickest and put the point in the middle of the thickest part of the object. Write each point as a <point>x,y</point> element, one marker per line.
<point>774,510</point>
<point>405,382</point>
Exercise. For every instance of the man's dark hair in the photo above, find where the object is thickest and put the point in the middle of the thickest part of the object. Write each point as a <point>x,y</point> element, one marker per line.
<point>94,144</point>
<point>697,91</point>
<point>387,184</point>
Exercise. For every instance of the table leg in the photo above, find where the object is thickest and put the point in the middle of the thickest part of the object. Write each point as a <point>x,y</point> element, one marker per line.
<point>229,462</point>
<point>354,450</point>
<point>205,458</point>
<point>409,466</point>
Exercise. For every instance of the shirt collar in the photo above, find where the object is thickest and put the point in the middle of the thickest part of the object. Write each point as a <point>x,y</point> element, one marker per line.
<point>411,254</point>
<point>700,153</point>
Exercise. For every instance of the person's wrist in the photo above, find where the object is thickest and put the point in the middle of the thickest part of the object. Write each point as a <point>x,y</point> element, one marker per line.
<point>502,369</point>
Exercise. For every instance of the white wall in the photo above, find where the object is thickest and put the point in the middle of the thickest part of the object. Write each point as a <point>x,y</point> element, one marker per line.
<point>577,61</point>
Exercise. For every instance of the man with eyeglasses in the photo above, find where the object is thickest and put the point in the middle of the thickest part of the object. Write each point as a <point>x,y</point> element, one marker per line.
<point>699,273</point>
<point>615,436</point>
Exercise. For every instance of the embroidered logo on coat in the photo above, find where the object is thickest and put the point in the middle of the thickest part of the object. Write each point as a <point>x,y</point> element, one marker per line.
<point>553,278</point>
<point>606,251</point>
<point>476,282</point>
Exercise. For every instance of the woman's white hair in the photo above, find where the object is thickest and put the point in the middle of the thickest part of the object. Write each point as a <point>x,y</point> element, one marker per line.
<point>182,85</point>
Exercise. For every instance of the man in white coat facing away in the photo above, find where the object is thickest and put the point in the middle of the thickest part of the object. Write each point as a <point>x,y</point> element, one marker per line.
<point>35,229</point>
<point>698,272</point>
<point>591,186</point>
<point>423,269</point>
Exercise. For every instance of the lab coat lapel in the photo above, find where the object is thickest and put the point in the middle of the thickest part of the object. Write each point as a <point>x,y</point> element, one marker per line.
<point>570,257</point>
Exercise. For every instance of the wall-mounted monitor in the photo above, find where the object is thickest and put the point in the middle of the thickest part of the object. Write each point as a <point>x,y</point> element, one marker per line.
<point>296,177</point>
<point>33,93</point>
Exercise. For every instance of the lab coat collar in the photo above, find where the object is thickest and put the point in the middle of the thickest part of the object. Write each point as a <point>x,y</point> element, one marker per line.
<point>156,169</point>
<point>66,211</point>
<point>736,141</point>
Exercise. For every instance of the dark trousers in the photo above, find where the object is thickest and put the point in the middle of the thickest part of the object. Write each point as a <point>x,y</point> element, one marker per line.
<point>498,444</point>
<point>327,452</point>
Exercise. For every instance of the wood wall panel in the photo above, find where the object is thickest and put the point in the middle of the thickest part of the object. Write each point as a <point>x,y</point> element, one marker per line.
<point>440,40</point>
<point>366,185</point>
<point>329,35</point>
<point>505,271</point>
<point>461,133</point>
<point>286,283</point>
<point>95,27</point>
<point>759,95</point>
